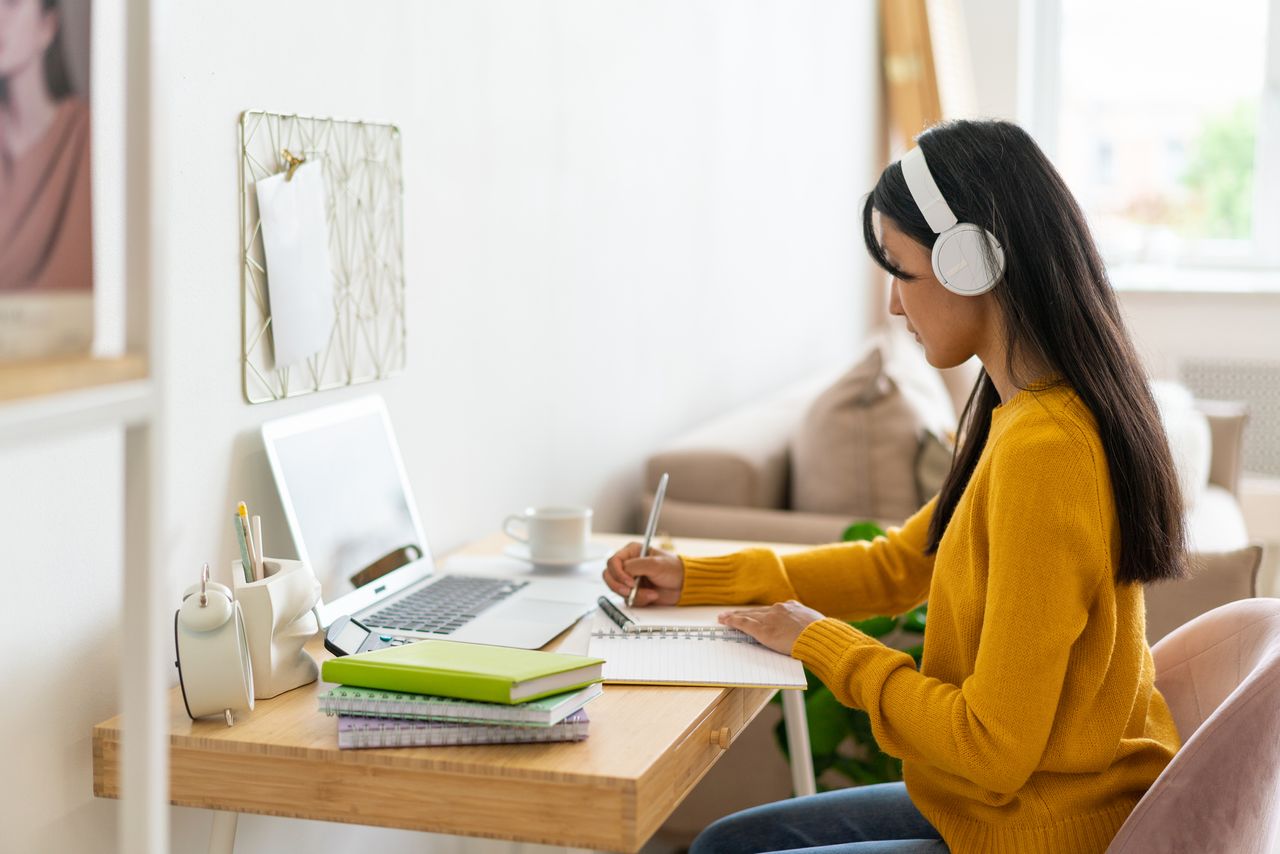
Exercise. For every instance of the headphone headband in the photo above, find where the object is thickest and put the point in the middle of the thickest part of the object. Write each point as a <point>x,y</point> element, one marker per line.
<point>925,191</point>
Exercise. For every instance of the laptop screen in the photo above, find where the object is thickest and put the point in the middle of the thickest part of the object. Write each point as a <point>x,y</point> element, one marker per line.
<point>341,484</point>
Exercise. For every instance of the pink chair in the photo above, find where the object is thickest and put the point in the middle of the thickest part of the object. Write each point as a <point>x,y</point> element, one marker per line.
<point>1220,674</point>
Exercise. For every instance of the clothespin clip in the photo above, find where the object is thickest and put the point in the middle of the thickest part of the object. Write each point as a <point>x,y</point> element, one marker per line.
<point>294,163</point>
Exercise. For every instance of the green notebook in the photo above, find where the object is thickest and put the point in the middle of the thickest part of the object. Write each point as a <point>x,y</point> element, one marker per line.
<point>469,671</point>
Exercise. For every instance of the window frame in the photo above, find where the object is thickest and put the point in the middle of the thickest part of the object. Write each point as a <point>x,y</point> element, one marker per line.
<point>1039,108</point>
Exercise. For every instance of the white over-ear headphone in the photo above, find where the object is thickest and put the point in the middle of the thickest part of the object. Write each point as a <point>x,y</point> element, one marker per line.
<point>959,259</point>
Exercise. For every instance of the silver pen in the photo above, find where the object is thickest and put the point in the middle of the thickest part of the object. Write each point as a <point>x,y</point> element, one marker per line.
<point>648,531</point>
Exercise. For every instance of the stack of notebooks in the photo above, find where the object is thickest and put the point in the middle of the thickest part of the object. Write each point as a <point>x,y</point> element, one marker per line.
<point>434,693</point>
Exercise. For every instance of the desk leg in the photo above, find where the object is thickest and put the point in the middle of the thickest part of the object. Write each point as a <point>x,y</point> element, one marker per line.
<point>222,838</point>
<point>802,781</point>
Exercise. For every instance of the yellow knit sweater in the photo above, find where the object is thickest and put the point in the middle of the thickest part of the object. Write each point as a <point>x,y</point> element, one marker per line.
<point>1033,723</point>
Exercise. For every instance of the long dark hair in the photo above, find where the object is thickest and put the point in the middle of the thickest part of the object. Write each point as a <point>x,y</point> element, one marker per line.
<point>56,78</point>
<point>1059,309</point>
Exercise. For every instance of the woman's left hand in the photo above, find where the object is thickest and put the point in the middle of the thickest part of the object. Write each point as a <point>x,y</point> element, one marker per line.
<point>776,626</point>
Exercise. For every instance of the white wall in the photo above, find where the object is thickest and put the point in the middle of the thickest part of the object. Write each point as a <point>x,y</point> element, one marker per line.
<point>620,218</point>
<point>992,27</point>
<point>599,197</point>
<point>60,564</point>
<point>1171,328</point>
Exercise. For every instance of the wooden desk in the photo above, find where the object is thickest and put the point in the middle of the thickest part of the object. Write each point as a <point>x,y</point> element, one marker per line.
<point>648,746</point>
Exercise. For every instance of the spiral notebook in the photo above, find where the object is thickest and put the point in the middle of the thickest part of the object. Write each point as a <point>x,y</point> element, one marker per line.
<point>374,703</point>
<point>668,653</point>
<point>356,732</point>
<point>675,618</point>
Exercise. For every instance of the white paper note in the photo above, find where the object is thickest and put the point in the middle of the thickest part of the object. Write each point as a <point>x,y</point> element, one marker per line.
<point>295,237</point>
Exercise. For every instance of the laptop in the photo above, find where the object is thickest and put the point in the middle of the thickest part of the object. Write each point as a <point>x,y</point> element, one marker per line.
<point>346,497</point>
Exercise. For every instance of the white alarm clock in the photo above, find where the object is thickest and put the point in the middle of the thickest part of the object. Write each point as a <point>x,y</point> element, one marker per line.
<point>214,668</point>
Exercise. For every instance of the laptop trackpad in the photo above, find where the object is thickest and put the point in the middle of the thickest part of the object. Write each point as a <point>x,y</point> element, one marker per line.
<point>542,611</point>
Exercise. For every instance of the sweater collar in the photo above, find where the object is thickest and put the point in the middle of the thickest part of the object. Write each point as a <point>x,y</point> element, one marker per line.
<point>1029,392</point>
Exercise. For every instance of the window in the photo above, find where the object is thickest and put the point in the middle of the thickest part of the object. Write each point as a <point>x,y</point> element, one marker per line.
<point>1164,119</point>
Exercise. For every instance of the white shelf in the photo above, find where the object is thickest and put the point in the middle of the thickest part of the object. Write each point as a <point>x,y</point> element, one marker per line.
<point>27,379</point>
<point>121,403</point>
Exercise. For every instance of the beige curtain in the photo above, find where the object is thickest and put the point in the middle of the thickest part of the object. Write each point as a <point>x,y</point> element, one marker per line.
<point>910,78</point>
<point>922,43</point>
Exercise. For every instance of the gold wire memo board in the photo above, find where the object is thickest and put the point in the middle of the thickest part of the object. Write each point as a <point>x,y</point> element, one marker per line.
<point>362,170</point>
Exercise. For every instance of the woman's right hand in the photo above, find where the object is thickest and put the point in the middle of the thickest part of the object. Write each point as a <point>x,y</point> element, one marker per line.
<point>660,575</point>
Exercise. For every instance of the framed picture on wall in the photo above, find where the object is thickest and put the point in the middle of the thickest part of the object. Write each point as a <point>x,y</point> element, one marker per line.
<point>46,235</point>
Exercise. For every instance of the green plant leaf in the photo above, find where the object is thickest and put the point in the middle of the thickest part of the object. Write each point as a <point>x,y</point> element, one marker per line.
<point>860,726</point>
<point>876,626</point>
<point>859,772</point>
<point>913,620</point>
<point>862,532</point>
<point>813,682</point>
<point>1220,173</point>
<point>827,724</point>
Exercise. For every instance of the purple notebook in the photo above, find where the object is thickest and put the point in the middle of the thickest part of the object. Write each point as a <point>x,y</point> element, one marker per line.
<point>359,731</point>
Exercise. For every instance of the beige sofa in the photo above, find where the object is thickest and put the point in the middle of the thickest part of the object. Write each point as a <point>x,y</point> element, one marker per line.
<point>731,477</point>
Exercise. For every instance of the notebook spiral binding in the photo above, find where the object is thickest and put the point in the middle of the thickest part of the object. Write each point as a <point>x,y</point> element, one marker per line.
<point>667,633</point>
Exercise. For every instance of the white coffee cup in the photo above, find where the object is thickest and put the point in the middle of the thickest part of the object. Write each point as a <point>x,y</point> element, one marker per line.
<point>552,533</point>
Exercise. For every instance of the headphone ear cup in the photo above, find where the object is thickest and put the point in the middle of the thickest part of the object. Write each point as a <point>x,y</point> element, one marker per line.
<point>960,260</point>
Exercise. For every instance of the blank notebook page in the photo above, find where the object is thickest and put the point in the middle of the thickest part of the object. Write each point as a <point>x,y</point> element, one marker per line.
<point>689,658</point>
<point>674,615</point>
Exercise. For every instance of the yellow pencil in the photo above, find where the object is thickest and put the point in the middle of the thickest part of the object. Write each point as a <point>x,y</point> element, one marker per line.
<point>246,565</point>
<point>252,569</point>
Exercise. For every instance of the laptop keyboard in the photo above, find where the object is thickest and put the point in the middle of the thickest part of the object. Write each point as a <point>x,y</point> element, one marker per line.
<point>446,606</point>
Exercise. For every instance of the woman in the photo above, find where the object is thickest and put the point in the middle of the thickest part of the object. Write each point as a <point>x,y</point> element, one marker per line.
<point>1033,724</point>
<point>45,238</point>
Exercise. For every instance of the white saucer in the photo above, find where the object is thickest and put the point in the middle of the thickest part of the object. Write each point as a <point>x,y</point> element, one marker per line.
<point>593,552</point>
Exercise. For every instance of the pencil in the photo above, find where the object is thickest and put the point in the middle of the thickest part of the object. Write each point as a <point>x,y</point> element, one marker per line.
<point>242,537</point>
<point>260,566</point>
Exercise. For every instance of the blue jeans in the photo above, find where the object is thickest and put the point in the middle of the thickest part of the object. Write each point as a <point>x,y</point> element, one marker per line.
<point>863,820</point>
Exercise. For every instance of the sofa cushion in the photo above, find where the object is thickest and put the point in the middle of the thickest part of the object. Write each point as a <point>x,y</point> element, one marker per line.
<point>1227,419</point>
<point>1187,429</point>
<point>856,450</point>
<point>933,462</point>
<point>1216,522</point>
<point>1216,578</point>
<point>739,459</point>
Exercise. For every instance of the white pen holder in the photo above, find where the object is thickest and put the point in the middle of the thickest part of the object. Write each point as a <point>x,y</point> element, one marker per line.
<point>278,621</point>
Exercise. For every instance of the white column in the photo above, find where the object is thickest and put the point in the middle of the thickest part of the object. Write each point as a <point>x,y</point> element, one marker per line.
<point>144,771</point>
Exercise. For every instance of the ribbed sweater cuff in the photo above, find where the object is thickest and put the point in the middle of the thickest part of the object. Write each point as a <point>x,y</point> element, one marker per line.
<point>708,580</point>
<point>823,647</point>
<point>752,575</point>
